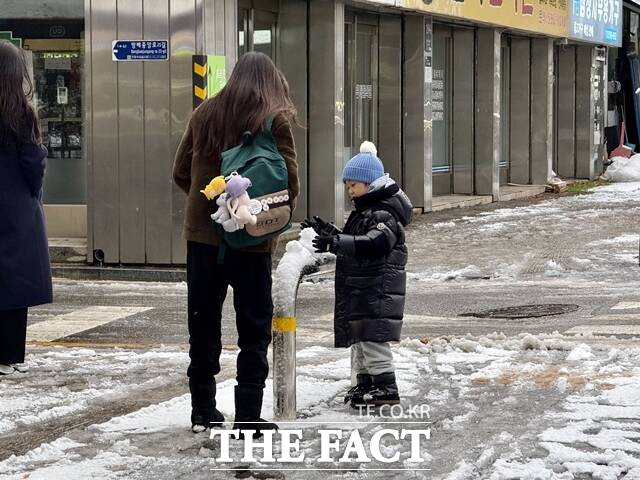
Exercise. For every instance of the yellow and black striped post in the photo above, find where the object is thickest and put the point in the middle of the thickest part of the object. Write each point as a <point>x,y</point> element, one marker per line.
<point>200,79</point>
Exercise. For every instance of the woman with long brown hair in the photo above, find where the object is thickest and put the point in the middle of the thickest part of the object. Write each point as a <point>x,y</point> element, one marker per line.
<point>255,92</point>
<point>25,275</point>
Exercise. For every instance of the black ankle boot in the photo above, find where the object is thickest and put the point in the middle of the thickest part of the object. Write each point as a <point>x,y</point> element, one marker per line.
<point>204,413</point>
<point>384,391</point>
<point>355,393</point>
<point>248,400</point>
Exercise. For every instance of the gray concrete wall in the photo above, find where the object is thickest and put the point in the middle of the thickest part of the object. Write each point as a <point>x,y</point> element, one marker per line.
<point>463,110</point>
<point>566,108</point>
<point>541,110</point>
<point>519,159</point>
<point>390,95</point>
<point>417,110</point>
<point>488,102</point>
<point>326,109</point>
<point>292,60</point>
<point>585,164</point>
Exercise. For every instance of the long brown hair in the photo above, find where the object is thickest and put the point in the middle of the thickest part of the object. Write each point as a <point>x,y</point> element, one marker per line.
<point>255,91</point>
<point>16,115</point>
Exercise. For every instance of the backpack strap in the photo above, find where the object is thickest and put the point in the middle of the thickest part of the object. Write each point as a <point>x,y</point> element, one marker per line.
<point>268,123</point>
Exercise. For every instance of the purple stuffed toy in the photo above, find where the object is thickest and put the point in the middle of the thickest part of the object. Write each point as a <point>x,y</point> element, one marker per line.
<point>238,201</point>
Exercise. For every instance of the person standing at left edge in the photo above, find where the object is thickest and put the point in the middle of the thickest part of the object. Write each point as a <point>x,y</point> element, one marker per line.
<point>25,274</point>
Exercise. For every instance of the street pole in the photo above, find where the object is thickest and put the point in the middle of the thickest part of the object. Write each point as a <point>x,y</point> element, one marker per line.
<point>297,261</point>
<point>285,290</point>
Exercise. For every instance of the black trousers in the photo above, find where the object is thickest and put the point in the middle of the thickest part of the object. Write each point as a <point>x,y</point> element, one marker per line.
<point>14,335</point>
<point>249,274</point>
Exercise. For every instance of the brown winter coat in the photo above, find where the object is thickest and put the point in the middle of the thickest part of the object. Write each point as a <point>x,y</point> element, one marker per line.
<point>192,172</point>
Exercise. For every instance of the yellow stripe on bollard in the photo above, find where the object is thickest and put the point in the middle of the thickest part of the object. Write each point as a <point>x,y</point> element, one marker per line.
<point>201,93</point>
<point>284,324</point>
<point>199,69</point>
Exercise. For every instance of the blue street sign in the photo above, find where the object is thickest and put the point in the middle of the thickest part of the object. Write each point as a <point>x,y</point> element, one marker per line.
<point>596,21</point>
<point>139,50</point>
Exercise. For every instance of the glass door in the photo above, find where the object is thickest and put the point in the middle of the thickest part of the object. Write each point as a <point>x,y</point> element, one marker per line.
<point>57,83</point>
<point>441,98</point>
<point>361,82</point>
<point>257,30</point>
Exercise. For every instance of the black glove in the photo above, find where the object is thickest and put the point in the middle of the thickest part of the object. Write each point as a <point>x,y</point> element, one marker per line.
<point>320,226</point>
<point>326,243</point>
<point>306,223</point>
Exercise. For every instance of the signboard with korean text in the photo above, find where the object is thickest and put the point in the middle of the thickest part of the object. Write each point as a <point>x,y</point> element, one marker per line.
<point>540,16</point>
<point>596,21</point>
<point>139,50</point>
<point>549,17</point>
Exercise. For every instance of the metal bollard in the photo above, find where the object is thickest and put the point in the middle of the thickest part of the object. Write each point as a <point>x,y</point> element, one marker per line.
<point>297,262</point>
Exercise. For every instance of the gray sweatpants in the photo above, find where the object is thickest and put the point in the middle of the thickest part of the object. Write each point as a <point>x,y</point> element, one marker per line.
<point>373,358</point>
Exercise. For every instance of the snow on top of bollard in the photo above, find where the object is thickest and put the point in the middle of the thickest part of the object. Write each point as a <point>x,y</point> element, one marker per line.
<point>298,255</point>
<point>306,237</point>
<point>287,276</point>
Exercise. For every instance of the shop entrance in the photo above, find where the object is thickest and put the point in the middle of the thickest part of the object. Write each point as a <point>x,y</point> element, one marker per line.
<point>441,95</point>
<point>373,83</point>
<point>452,110</point>
<point>258,27</point>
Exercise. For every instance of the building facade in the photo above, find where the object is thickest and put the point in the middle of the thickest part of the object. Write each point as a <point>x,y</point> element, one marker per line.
<point>461,97</point>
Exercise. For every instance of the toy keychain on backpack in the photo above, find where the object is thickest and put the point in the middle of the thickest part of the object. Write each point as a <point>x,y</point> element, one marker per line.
<point>214,188</point>
<point>240,206</point>
<point>235,208</point>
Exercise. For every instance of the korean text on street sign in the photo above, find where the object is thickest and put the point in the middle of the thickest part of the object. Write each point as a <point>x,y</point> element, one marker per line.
<point>596,21</point>
<point>140,50</point>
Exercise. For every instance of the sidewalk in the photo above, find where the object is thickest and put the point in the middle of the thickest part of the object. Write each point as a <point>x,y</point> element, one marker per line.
<point>540,407</point>
<point>550,397</point>
<point>69,257</point>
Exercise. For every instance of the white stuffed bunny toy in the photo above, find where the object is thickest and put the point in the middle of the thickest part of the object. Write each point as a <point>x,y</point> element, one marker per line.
<point>222,215</point>
<point>238,201</point>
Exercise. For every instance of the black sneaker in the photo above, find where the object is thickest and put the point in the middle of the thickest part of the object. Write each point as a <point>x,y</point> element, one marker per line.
<point>355,393</point>
<point>383,392</point>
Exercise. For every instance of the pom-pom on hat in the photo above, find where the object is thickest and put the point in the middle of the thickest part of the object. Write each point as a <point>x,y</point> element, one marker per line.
<point>365,167</point>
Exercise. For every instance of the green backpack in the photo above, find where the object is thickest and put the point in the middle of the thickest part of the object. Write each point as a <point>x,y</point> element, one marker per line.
<point>258,159</point>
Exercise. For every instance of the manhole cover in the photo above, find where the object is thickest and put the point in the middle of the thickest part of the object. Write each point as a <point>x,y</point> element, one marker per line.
<point>525,311</point>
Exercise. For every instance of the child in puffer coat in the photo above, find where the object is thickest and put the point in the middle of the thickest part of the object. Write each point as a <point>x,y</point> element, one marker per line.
<point>370,280</point>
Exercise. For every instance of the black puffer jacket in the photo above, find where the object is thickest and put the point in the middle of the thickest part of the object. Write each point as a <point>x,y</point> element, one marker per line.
<point>370,269</point>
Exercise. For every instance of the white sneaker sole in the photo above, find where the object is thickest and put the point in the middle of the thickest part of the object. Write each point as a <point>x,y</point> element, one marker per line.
<point>6,370</point>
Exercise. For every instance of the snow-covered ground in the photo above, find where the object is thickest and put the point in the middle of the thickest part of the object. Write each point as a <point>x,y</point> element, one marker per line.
<point>543,406</point>
<point>533,407</point>
<point>578,237</point>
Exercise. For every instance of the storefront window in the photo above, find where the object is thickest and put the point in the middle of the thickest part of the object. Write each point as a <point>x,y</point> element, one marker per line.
<point>57,75</point>
<point>264,29</point>
<point>55,62</point>
<point>257,31</point>
<point>441,99</point>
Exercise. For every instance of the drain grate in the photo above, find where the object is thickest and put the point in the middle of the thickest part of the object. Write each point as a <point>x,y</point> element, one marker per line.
<point>525,311</point>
